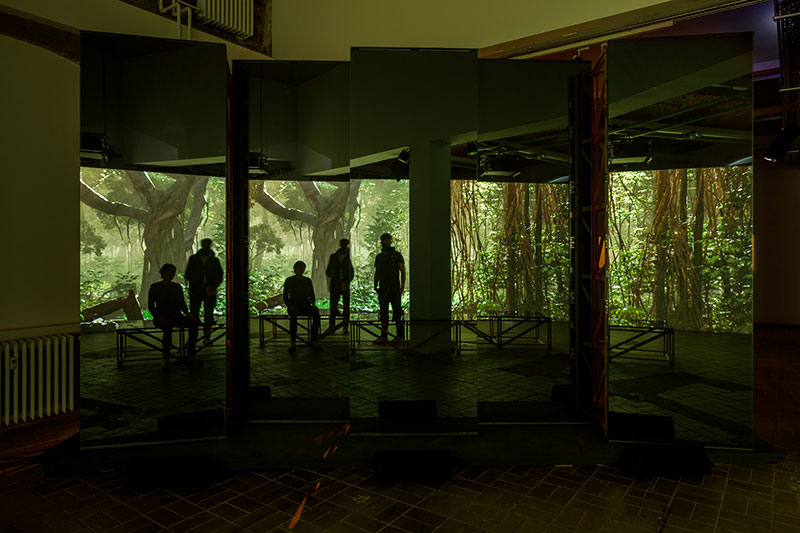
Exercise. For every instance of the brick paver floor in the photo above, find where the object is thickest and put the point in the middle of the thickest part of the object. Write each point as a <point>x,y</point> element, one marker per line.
<point>734,498</point>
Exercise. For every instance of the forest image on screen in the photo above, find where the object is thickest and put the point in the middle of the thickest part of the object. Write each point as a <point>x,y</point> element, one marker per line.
<point>132,222</point>
<point>304,221</point>
<point>510,248</point>
<point>680,248</point>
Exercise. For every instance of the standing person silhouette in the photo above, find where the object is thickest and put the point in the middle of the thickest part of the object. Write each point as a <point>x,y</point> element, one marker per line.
<point>168,308</point>
<point>298,295</point>
<point>204,274</point>
<point>389,280</point>
<point>340,273</point>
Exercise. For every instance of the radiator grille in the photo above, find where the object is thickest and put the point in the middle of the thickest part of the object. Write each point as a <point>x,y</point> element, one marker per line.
<point>37,378</point>
<point>234,16</point>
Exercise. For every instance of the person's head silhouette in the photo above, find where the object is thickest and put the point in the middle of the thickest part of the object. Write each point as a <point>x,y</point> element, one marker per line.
<point>205,244</point>
<point>299,268</point>
<point>386,240</point>
<point>167,271</point>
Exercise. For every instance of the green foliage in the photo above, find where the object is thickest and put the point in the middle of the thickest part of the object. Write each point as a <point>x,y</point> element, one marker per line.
<point>91,241</point>
<point>387,219</point>
<point>263,238</point>
<point>505,258</point>
<point>101,285</point>
<point>266,282</point>
<point>654,218</point>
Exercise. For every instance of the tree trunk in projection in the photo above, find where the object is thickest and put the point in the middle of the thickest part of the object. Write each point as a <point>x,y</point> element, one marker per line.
<point>538,260</point>
<point>682,255</point>
<point>660,236</point>
<point>509,249</point>
<point>526,249</point>
<point>324,240</point>
<point>326,223</point>
<point>696,279</point>
<point>167,236</point>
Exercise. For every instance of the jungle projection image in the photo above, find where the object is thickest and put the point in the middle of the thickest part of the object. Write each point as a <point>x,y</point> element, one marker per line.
<point>510,248</point>
<point>132,222</point>
<point>304,220</point>
<point>680,246</point>
<point>679,251</point>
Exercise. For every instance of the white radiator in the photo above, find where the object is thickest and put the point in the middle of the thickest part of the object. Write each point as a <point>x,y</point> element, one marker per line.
<point>234,16</point>
<point>37,378</point>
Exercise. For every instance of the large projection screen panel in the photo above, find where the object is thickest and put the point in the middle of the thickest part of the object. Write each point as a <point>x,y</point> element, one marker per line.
<point>680,223</point>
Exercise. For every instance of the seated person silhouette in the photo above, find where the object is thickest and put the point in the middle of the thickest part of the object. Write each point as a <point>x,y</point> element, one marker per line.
<point>298,295</point>
<point>169,311</point>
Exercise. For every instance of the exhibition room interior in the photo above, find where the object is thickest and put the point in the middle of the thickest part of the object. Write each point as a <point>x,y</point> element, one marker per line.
<point>577,225</point>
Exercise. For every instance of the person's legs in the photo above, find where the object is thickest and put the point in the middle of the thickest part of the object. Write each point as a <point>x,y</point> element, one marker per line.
<point>346,304</point>
<point>191,342</point>
<point>166,342</point>
<point>209,303</point>
<point>292,329</point>
<point>335,294</point>
<point>195,301</point>
<point>397,312</point>
<point>313,311</point>
<point>383,304</point>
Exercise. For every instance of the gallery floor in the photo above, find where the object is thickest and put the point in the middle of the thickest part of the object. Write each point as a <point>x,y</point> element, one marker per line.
<point>521,499</point>
<point>708,392</point>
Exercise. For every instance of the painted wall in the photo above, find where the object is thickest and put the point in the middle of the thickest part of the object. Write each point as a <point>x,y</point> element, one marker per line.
<point>320,29</point>
<point>39,199</point>
<point>117,17</point>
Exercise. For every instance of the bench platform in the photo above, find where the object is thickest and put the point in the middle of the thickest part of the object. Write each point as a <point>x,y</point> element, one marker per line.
<point>147,339</point>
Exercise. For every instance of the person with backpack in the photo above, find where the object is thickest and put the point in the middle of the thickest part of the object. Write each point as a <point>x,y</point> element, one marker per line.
<point>340,273</point>
<point>204,274</point>
<point>389,280</point>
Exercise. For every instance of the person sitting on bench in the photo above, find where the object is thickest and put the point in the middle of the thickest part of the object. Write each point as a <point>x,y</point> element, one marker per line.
<point>168,308</point>
<point>298,295</point>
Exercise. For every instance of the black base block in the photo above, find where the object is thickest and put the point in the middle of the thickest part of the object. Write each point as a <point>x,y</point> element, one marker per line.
<point>407,410</point>
<point>641,461</point>
<point>146,473</point>
<point>563,393</point>
<point>413,465</point>
<point>260,392</point>
<point>210,422</point>
<point>270,408</point>
<point>640,428</point>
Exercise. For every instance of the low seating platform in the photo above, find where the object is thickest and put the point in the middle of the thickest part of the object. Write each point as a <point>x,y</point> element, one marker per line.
<point>134,342</point>
<point>642,343</point>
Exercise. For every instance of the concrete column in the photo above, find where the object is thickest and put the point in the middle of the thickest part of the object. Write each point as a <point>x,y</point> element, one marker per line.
<point>776,197</point>
<point>429,268</point>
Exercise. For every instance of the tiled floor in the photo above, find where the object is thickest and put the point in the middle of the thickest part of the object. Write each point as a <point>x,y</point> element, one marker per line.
<point>735,498</point>
<point>708,392</point>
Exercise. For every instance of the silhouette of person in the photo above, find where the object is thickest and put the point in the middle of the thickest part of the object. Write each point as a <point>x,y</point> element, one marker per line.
<point>204,274</point>
<point>298,295</point>
<point>340,273</point>
<point>389,280</point>
<point>169,311</point>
